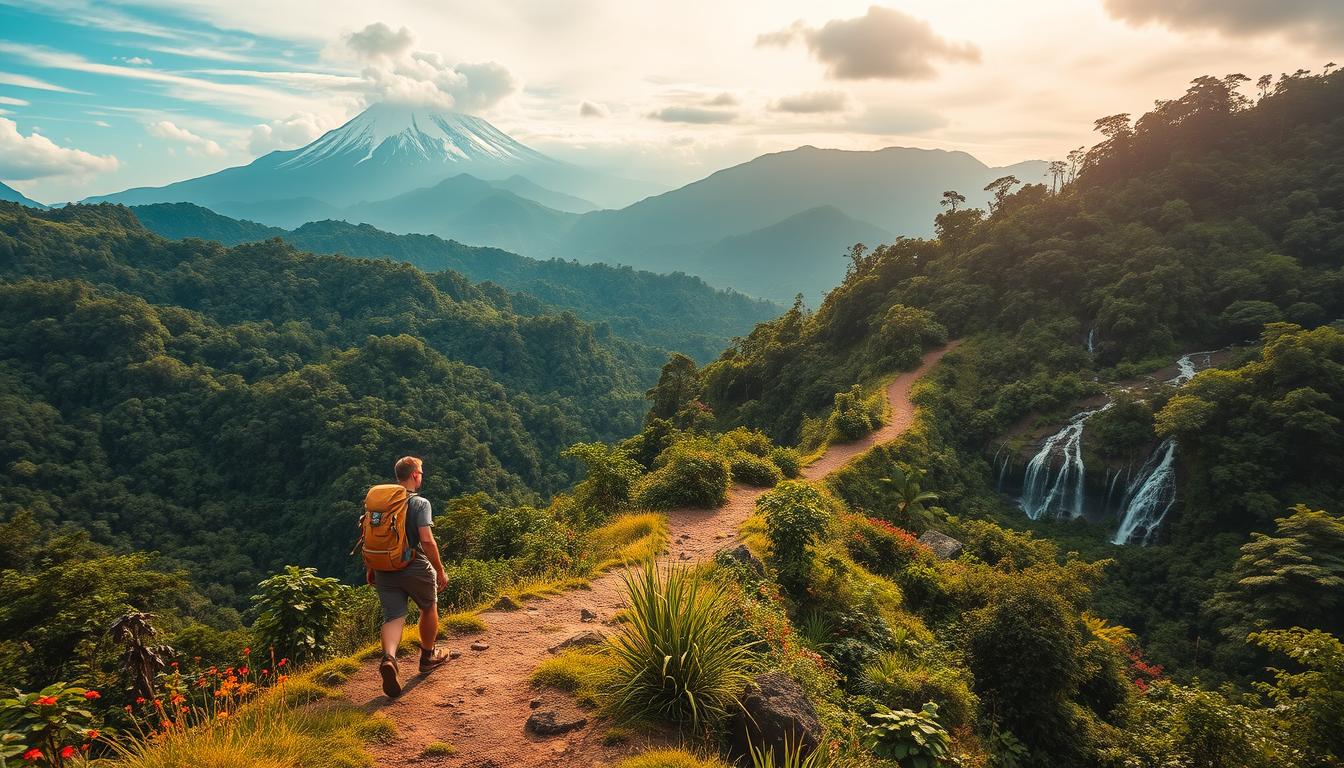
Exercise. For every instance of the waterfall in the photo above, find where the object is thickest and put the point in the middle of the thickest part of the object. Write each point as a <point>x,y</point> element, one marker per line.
<point>1002,468</point>
<point>1185,366</point>
<point>1091,340</point>
<point>1150,497</point>
<point>1044,493</point>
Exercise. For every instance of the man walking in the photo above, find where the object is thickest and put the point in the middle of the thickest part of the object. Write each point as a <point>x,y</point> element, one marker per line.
<point>414,573</point>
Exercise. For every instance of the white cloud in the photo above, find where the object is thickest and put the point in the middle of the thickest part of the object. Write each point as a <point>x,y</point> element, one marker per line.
<point>293,131</point>
<point>195,145</point>
<point>393,72</point>
<point>811,103</point>
<point>35,156</point>
<point>377,40</point>
<point>592,109</point>
<point>882,44</point>
<point>24,81</point>
<point>13,102</point>
<point>695,115</point>
<point>136,61</point>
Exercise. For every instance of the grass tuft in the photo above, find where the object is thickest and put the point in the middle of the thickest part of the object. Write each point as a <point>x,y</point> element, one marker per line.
<point>580,672</point>
<point>670,758</point>
<point>464,623</point>
<point>438,749</point>
<point>377,728</point>
<point>335,671</point>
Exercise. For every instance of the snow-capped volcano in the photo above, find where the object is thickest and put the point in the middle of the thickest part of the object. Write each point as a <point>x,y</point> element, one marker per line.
<point>384,151</point>
<point>391,134</point>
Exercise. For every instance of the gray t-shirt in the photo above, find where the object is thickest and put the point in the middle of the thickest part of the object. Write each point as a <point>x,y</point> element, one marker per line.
<point>418,515</point>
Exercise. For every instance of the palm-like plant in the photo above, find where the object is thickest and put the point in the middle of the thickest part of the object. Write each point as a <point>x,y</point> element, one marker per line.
<point>140,660</point>
<point>910,497</point>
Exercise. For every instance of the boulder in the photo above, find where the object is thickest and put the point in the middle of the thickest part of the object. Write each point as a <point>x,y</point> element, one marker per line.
<point>505,603</point>
<point>550,722</point>
<point>943,546</point>
<point>774,708</point>
<point>587,614</point>
<point>741,554</point>
<point>581,640</point>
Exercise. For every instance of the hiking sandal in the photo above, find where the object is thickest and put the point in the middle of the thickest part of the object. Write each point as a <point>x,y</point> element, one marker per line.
<point>391,685</point>
<point>435,659</point>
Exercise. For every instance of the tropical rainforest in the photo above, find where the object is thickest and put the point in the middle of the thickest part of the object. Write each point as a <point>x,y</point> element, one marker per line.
<point>183,419</point>
<point>676,312</point>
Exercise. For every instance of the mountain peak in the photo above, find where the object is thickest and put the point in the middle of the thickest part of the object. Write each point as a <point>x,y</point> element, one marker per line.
<point>398,134</point>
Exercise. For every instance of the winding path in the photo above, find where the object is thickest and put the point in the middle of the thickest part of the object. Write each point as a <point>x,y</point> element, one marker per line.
<point>480,702</point>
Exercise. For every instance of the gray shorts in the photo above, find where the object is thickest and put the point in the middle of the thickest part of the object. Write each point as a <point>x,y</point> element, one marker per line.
<point>415,581</point>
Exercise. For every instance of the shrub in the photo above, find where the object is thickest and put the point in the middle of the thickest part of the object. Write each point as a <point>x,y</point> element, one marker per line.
<point>357,620</point>
<point>913,739</point>
<point>40,726</point>
<point>854,415</point>
<point>880,546</point>
<point>471,582</point>
<point>681,657</point>
<point>899,682</point>
<point>610,475</point>
<point>788,461</point>
<point>688,477</point>
<point>297,611</point>
<point>754,470</point>
<point>795,515</point>
<point>748,440</point>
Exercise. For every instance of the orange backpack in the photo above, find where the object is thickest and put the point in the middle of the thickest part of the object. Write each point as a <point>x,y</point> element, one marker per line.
<point>383,528</point>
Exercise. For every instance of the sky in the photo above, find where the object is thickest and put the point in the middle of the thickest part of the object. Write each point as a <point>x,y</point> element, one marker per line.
<point>100,97</point>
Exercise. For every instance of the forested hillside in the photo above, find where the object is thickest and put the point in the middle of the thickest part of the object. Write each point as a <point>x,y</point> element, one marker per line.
<point>1213,219</point>
<point>677,311</point>
<point>227,407</point>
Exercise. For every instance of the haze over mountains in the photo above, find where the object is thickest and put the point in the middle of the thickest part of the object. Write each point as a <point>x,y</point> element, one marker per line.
<point>789,215</point>
<point>12,195</point>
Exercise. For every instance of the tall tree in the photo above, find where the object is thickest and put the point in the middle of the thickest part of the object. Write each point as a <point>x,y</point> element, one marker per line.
<point>1294,578</point>
<point>677,386</point>
<point>1057,170</point>
<point>952,199</point>
<point>1000,188</point>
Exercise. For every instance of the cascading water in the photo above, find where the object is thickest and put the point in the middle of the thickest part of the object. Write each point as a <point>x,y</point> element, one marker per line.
<point>1152,493</point>
<point>1091,340</point>
<point>1150,497</point>
<point>1185,366</point>
<point>1058,494</point>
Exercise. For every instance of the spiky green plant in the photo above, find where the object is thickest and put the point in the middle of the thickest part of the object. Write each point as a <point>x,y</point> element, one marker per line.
<point>679,657</point>
<point>794,755</point>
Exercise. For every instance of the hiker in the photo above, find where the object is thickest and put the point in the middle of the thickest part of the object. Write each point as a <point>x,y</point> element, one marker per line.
<point>401,560</point>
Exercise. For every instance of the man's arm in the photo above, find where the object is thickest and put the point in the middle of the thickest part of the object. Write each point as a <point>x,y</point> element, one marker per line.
<point>431,549</point>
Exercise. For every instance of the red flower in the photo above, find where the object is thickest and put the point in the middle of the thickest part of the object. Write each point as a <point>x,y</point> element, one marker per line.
<point>139,699</point>
<point>92,734</point>
<point>33,755</point>
<point>242,670</point>
<point>282,662</point>
<point>247,651</point>
<point>91,695</point>
<point>46,701</point>
<point>67,751</point>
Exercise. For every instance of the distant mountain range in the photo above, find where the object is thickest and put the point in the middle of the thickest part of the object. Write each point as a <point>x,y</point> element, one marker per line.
<point>676,312</point>
<point>384,151</point>
<point>772,227</point>
<point>12,195</point>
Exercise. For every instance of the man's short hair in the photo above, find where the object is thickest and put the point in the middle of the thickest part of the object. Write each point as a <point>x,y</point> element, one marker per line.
<point>407,466</point>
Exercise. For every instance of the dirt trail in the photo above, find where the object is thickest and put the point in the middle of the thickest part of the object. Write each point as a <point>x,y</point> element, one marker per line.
<point>480,702</point>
